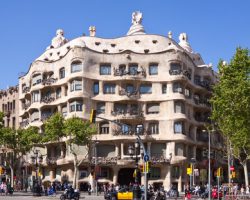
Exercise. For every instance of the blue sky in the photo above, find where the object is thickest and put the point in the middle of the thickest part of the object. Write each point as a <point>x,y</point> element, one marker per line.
<point>215,27</point>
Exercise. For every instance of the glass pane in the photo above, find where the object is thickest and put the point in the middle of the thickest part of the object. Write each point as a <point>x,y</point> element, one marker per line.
<point>153,70</point>
<point>146,89</point>
<point>105,69</point>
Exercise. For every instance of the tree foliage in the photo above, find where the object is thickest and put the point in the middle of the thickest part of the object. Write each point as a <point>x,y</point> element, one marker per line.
<point>54,128</point>
<point>231,100</point>
<point>80,132</point>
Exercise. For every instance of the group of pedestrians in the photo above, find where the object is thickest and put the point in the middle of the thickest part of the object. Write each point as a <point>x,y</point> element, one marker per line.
<point>5,188</point>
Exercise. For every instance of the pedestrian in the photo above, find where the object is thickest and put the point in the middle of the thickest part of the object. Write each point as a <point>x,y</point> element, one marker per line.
<point>187,193</point>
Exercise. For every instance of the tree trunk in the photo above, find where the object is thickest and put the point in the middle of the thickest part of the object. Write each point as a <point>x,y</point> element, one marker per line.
<point>244,164</point>
<point>76,169</point>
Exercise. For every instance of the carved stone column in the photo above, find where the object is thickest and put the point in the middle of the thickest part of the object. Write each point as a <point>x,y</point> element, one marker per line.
<point>100,87</point>
<point>149,148</point>
<point>115,176</point>
<point>117,150</point>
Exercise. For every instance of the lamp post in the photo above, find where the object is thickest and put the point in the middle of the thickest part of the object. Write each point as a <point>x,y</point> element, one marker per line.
<point>96,178</point>
<point>133,150</point>
<point>209,161</point>
<point>36,159</point>
<point>192,181</point>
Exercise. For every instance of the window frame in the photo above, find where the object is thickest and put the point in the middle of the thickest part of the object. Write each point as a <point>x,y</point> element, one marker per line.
<point>179,130</point>
<point>62,73</point>
<point>153,69</point>
<point>148,87</point>
<point>105,69</point>
<point>109,88</point>
<point>76,105</point>
<point>76,64</point>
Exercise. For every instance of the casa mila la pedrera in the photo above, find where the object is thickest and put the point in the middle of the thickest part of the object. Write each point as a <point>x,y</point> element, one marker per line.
<point>143,80</point>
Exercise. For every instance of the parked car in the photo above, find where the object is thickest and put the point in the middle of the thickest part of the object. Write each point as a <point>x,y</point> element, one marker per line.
<point>123,193</point>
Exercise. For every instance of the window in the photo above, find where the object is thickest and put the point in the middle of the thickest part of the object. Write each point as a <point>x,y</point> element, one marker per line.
<point>153,128</point>
<point>76,106</point>
<point>177,87</point>
<point>58,93</point>
<point>105,69</point>
<point>62,73</point>
<point>175,66</point>
<point>96,88</point>
<point>109,88</point>
<point>153,69</point>
<point>130,89</point>
<point>179,127</point>
<point>164,88</point>
<point>175,172</point>
<point>155,173</point>
<point>153,108</point>
<point>64,111</point>
<point>104,128</point>
<point>188,93</point>
<point>179,149</point>
<point>76,67</point>
<point>100,108</point>
<point>103,172</point>
<point>35,96</point>
<point>83,174</point>
<point>175,69</point>
<point>133,69</point>
<point>76,85</point>
<point>120,108</point>
<point>145,89</point>
<point>37,79</point>
<point>179,107</point>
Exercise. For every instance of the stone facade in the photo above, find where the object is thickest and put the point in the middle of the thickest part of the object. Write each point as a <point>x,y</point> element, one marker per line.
<point>141,80</point>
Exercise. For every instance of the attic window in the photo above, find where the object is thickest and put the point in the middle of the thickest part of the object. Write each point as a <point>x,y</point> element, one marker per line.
<point>113,45</point>
<point>97,43</point>
<point>58,53</point>
<point>169,43</point>
<point>137,41</point>
<point>154,41</point>
<point>146,50</point>
<point>105,50</point>
<point>51,54</point>
<point>46,59</point>
<point>68,47</point>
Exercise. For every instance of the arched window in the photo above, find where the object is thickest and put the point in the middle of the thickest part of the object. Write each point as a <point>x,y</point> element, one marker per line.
<point>62,73</point>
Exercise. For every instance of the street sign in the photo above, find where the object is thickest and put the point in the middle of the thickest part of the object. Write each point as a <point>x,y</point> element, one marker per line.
<point>146,158</point>
<point>189,171</point>
<point>232,168</point>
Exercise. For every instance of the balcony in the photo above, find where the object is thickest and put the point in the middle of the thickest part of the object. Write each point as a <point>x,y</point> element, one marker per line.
<point>51,160</point>
<point>105,160</point>
<point>26,89</point>
<point>128,114</point>
<point>25,106</point>
<point>204,84</point>
<point>44,117</point>
<point>174,72</point>
<point>7,113</point>
<point>47,99</point>
<point>24,123</point>
<point>141,72</point>
<point>132,95</point>
<point>201,101</point>
<point>202,118</point>
<point>159,159</point>
<point>49,81</point>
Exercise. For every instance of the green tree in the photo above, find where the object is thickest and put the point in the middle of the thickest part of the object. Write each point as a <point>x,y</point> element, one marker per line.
<point>79,133</point>
<point>16,143</point>
<point>54,128</point>
<point>231,104</point>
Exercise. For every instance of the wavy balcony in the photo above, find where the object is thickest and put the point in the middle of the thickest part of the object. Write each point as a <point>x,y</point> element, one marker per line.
<point>49,81</point>
<point>176,72</point>
<point>139,73</point>
<point>204,84</point>
<point>131,95</point>
<point>105,160</point>
<point>47,99</point>
<point>26,90</point>
<point>127,114</point>
<point>24,123</point>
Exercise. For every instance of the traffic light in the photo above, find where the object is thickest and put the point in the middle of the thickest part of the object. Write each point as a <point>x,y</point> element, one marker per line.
<point>1,170</point>
<point>92,118</point>
<point>219,172</point>
<point>141,167</point>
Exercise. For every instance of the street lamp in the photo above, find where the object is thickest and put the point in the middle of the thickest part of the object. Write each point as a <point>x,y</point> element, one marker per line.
<point>209,161</point>
<point>36,159</point>
<point>134,150</point>
<point>192,182</point>
<point>96,178</point>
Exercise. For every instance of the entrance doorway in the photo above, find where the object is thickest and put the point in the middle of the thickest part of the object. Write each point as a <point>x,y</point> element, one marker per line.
<point>125,176</point>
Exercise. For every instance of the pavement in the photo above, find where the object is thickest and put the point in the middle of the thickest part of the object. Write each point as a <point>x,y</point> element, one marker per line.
<point>29,196</point>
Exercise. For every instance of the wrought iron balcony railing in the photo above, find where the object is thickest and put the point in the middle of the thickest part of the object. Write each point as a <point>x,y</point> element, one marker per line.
<point>186,73</point>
